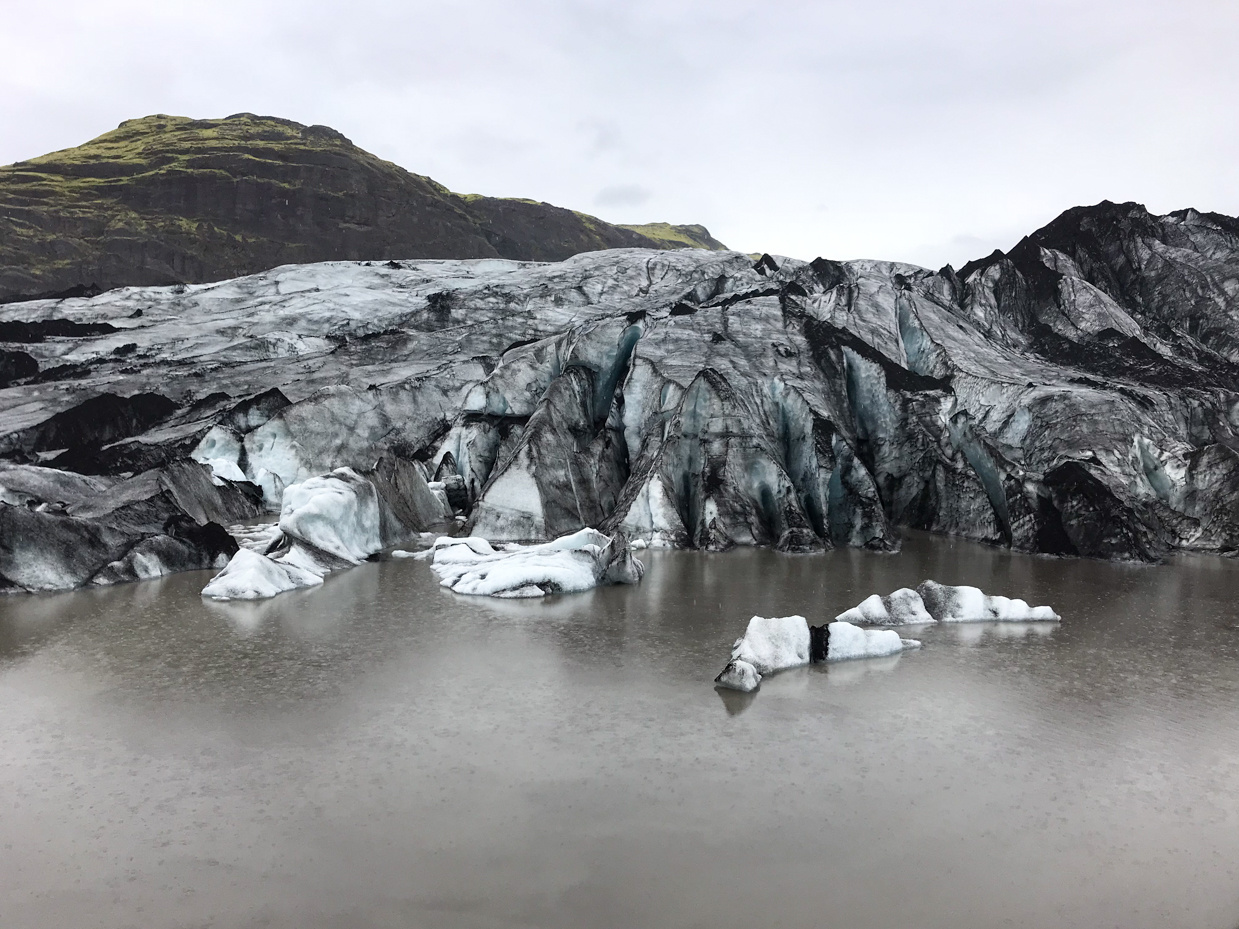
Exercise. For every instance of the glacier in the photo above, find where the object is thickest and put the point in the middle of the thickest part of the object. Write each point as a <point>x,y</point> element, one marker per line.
<point>1077,395</point>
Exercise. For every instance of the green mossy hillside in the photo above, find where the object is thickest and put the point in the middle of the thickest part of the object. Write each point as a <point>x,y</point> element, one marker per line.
<point>167,199</point>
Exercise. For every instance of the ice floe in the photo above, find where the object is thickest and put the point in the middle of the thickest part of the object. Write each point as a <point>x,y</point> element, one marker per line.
<point>776,643</point>
<point>934,602</point>
<point>904,607</point>
<point>845,642</point>
<point>571,563</point>
<point>968,605</point>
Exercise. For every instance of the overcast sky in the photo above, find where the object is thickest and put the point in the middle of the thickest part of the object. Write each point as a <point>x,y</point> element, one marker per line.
<point>919,131</point>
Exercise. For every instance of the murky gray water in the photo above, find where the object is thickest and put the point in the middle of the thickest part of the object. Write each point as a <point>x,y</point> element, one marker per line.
<point>382,753</point>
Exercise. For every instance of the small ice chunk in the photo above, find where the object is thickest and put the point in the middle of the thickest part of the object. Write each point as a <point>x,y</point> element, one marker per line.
<point>846,642</point>
<point>904,607</point>
<point>571,563</point>
<point>337,513</point>
<point>739,675</point>
<point>965,604</point>
<point>251,576</point>
<point>401,553</point>
<point>774,643</point>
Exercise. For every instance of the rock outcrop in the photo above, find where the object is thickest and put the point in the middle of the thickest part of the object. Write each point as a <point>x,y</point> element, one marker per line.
<point>59,530</point>
<point>1076,396</point>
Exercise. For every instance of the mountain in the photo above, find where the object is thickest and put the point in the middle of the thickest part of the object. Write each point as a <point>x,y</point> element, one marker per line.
<point>1077,395</point>
<point>166,200</point>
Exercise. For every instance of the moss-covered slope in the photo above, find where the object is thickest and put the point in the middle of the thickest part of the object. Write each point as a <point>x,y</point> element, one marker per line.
<point>167,199</point>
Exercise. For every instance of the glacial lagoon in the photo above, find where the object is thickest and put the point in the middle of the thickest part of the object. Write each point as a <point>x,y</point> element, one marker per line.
<point>380,751</point>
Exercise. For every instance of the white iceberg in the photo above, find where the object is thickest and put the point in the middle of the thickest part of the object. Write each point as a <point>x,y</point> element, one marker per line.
<point>251,576</point>
<point>933,602</point>
<point>774,643</point>
<point>333,521</point>
<point>846,642</point>
<point>970,605</point>
<point>337,513</point>
<point>572,563</point>
<point>739,675</point>
<point>904,607</point>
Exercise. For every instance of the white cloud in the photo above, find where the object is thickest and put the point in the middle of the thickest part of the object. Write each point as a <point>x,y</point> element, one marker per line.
<point>912,124</point>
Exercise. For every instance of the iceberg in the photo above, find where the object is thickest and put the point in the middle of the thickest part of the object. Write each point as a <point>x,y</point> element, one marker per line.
<point>572,563</point>
<point>739,675</point>
<point>776,643</point>
<point>328,522</point>
<point>933,602</point>
<point>969,605</point>
<point>845,642</point>
<point>251,576</point>
<point>904,607</point>
<point>773,643</point>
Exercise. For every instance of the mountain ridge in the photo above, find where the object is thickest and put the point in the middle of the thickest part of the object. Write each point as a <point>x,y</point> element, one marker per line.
<point>168,199</point>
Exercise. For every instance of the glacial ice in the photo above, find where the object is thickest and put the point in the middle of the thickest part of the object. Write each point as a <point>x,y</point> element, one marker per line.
<point>739,675</point>
<point>572,563</point>
<point>327,522</point>
<point>904,607</point>
<point>934,602</point>
<point>251,576</point>
<point>774,643</point>
<point>968,604</point>
<point>847,642</point>
<point>337,513</point>
<point>683,398</point>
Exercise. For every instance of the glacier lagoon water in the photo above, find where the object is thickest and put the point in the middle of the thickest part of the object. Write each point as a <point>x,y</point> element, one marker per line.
<point>381,752</point>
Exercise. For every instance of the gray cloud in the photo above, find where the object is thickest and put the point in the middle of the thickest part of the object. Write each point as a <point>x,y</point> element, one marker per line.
<point>912,120</point>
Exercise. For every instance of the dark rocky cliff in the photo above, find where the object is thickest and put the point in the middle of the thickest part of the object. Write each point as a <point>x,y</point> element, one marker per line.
<point>166,200</point>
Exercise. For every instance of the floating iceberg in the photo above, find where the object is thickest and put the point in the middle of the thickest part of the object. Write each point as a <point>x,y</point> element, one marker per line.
<point>776,643</point>
<point>739,675</point>
<point>969,605</point>
<point>934,602</point>
<point>572,563</point>
<point>329,522</point>
<point>845,642</point>
<point>251,576</point>
<point>904,607</point>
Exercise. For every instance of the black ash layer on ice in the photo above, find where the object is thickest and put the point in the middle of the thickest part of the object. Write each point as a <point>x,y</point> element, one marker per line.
<point>1078,395</point>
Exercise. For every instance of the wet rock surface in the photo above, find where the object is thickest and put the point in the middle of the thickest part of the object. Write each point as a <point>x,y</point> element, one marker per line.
<point>1076,396</point>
